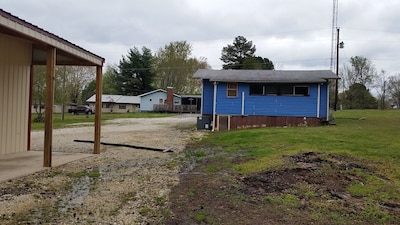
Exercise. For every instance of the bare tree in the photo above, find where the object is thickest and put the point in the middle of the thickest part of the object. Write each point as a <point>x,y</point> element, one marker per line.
<point>73,82</point>
<point>39,91</point>
<point>174,67</point>
<point>360,71</point>
<point>380,86</point>
<point>394,90</point>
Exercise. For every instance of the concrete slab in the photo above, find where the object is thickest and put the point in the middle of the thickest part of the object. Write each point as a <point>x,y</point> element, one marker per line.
<point>17,165</point>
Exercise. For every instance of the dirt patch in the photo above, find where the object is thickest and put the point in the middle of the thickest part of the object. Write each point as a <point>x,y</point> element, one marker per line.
<point>310,188</point>
<point>307,169</point>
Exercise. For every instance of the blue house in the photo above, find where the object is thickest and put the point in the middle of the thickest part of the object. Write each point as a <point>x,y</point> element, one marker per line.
<point>157,97</point>
<point>238,99</point>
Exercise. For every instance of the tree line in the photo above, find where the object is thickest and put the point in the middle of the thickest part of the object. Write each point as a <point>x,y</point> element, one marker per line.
<point>359,78</point>
<point>141,71</point>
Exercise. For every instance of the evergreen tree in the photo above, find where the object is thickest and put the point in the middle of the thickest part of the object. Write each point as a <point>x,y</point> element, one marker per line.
<point>134,76</point>
<point>358,97</point>
<point>234,55</point>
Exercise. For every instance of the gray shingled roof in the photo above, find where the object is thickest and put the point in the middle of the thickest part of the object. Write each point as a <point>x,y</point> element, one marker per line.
<point>266,76</point>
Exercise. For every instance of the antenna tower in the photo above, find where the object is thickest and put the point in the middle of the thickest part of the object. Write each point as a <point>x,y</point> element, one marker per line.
<point>334,26</point>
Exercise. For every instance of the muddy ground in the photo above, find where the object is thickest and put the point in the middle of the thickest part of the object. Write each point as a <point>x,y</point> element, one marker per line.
<point>310,188</point>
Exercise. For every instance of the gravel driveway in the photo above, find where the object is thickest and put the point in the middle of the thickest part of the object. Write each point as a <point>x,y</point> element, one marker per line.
<point>119,186</point>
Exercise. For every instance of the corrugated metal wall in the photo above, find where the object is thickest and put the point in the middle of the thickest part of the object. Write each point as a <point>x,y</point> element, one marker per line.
<point>15,60</point>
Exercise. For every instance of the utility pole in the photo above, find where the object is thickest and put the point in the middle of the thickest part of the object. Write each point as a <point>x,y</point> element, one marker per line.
<point>338,45</point>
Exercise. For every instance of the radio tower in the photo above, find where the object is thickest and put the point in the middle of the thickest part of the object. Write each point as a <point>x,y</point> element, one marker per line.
<point>334,26</point>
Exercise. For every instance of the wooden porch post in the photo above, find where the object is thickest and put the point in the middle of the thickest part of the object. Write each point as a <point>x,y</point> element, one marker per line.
<point>97,122</point>
<point>49,102</point>
<point>30,107</point>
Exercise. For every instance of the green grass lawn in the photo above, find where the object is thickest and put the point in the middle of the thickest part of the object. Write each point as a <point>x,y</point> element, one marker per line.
<point>370,134</point>
<point>370,137</point>
<point>88,120</point>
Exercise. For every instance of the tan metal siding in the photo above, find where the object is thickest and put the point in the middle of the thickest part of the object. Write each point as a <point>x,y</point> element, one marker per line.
<point>15,59</point>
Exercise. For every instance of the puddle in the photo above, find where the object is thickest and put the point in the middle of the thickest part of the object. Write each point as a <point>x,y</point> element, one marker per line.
<point>80,189</point>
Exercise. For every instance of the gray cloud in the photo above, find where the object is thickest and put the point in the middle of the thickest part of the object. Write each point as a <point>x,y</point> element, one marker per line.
<point>293,34</point>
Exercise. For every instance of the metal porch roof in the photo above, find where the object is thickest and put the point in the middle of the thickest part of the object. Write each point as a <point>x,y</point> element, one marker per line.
<point>67,52</point>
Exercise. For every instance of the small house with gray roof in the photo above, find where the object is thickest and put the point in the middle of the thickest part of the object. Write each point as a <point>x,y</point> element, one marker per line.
<point>116,103</point>
<point>239,99</point>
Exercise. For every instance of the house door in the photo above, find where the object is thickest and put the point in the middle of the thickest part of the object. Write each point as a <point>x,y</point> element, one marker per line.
<point>223,122</point>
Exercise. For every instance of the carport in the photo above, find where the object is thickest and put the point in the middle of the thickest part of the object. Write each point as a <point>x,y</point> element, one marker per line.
<point>23,45</point>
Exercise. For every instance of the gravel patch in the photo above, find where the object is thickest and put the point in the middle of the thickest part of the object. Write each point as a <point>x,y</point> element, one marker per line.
<point>119,186</point>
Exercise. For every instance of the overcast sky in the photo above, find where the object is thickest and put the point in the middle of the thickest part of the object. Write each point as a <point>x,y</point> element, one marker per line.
<point>294,34</point>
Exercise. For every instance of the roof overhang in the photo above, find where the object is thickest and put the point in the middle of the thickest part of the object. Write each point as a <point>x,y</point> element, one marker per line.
<point>266,76</point>
<point>67,52</point>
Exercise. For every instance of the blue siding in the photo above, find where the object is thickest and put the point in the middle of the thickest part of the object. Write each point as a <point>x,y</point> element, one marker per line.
<point>324,102</point>
<point>302,106</point>
<point>229,105</point>
<point>207,97</point>
<point>147,101</point>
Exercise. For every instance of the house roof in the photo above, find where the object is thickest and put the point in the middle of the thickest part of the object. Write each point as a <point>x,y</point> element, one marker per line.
<point>120,99</point>
<point>158,90</point>
<point>67,52</point>
<point>129,100</point>
<point>266,76</point>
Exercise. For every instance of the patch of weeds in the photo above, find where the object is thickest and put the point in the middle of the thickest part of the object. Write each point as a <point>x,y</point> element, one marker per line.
<point>287,200</point>
<point>165,213</point>
<point>160,200</point>
<point>259,164</point>
<point>200,153</point>
<point>93,174</point>
<point>147,177</point>
<point>199,160</point>
<point>201,216</point>
<point>144,211</point>
<point>55,173</point>
<point>373,212</point>
<point>305,190</point>
<point>130,196</point>
<point>36,196</point>
<point>77,174</point>
<point>329,212</point>
<point>124,199</point>
<point>373,186</point>
<point>171,165</point>
<point>191,193</point>
<point>236,198</point>
<point>218,167</point>
<point>212,168</point>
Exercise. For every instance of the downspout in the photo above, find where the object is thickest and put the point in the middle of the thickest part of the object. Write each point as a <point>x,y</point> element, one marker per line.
<point>243,103</point>
<point>318,100</point>
<point>214,105</point>
<point>201,99</point>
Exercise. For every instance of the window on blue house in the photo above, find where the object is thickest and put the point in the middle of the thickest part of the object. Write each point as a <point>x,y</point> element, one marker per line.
<point>232,89</point>
<point>286,90</point>
<point>256,89</point>
<point>271,90</point>
<point>301,90</point>
<point>278,89</point>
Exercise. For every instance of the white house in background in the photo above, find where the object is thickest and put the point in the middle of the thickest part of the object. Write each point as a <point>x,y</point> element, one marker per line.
<point>117,103</point>
<point>156,97</point>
